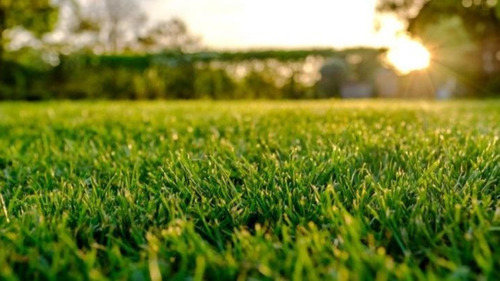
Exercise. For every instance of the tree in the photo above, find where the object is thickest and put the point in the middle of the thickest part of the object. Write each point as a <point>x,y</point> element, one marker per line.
<point>106,26</point>
<point>37,16</point>
<point>169,35</point>
<point>116,26</point>
<point>334,73</point>
<point>479,19</point>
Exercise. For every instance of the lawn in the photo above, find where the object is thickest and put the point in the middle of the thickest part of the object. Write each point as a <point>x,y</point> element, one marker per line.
<point>318,190</point>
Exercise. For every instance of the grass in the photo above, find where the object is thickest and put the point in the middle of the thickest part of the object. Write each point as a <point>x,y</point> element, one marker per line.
<point>326,190</point>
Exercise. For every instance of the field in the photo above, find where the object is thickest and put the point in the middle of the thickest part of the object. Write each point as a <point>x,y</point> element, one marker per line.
<point>319,190</point>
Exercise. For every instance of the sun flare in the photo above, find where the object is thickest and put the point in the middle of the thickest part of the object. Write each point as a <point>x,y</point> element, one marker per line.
<point>408,55</point>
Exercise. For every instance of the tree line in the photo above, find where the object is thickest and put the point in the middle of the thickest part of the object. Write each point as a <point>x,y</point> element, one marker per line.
<point>270,74</point>
<point>74,49</point>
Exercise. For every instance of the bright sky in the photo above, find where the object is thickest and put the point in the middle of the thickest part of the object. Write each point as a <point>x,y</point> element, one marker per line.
<point>230,24</point>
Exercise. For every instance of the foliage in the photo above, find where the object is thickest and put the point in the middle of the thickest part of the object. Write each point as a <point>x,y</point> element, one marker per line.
<point>38,16</point>
<point>481,18</point>
<point>177,75</point>
<point>172,35</point>
<point>464,36</point>
<point>224,191</point>
<point>333,74</point>
<point>121,26</point>
<point>108,25</point>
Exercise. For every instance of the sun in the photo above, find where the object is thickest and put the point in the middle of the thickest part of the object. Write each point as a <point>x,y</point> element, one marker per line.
<point>408,55</point>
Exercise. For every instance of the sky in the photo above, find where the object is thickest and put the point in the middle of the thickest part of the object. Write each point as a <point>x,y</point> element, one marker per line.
<point>230,24</point>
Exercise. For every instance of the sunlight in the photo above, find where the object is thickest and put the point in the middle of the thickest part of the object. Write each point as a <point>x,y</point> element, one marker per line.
<point>408,55</point>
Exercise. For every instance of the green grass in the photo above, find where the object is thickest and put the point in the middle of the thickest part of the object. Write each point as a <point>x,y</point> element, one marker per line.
<point>324,190</point>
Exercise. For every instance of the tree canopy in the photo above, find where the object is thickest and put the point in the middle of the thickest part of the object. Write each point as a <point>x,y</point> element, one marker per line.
<point>480,18</point>
<point>37,16</point>
<point>464,36</point>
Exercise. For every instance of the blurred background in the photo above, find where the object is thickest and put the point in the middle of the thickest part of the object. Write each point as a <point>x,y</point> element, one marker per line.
<point>241,49</point>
